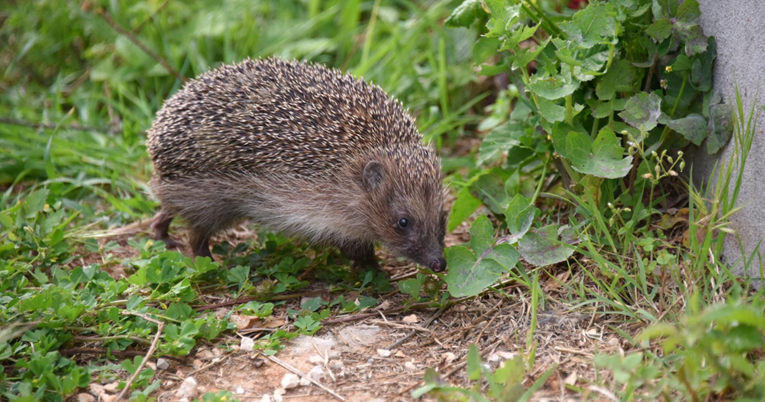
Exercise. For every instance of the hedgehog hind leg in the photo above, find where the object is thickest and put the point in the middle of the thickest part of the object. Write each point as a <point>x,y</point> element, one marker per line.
<point>161,227</point>
<point>199,242</point>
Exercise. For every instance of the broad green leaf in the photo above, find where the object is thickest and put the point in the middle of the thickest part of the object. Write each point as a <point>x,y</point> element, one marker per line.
<point>524,56</point>
<point>643,111</point>
<point>490,189</point>
<point>593,25</point>
<point>499,141</point>
<point>578,147</point>
<point>720,127</point>
<point>551,111</point>
<point>519,215</point>
<point>463,207</point>
<point>701,69</point>
<point>693,127</point>
<point>503,16</point>
<point>602,159</point>
<point>481,235</point>
<point>554,87</point>
<point>544,246</point>
<point>474,364</point>
<point>465,14</point>
<point>618,78</point>
<point>412,286</point>
<point>505,255</point>
<point>484,48</point>
<point>468,275</point>
<point>660,29</point>
<point>519,35</point>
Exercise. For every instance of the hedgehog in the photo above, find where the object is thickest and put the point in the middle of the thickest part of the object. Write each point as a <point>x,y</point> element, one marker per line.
<point>304,150</point>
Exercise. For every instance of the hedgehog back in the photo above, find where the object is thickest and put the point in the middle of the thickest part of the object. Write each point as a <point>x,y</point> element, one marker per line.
<point>272,115</point>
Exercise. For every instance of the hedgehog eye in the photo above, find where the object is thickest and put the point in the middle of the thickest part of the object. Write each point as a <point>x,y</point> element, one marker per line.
<point>403,223</point>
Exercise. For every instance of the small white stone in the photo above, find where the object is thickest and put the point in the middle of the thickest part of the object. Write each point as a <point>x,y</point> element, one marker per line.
<point>246,344</point>
<point>266,398</point>
<point>316,359</point>
<point>84,397</point>
<point>196,364</point>
<point>111,387</point>
<point>493,358</point>
<point>278,394</point>
<point>410,366</point>
<point>383,352</point>
<point>239,390</point>
<point>290,381</point>
<point>304,382</point>
<point>188,388</point>
<point>449,357</point>
<point>317,373</point>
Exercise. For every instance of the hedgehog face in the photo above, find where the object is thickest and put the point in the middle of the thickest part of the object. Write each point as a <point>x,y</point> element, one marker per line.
<point>406,213</point>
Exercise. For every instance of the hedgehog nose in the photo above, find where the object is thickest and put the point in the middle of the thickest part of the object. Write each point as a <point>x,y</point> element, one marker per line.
<point>438,264</point>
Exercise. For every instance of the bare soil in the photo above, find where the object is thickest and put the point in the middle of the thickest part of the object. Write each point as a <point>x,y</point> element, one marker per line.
<point>383,356</point>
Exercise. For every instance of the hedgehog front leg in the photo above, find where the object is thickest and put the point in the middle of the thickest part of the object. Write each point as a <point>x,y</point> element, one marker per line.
<point>161,226</point>
<point>361,254</point>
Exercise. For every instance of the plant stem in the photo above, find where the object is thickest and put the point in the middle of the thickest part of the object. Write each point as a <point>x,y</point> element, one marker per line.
<point>570,109</point>
<point>666,131</point>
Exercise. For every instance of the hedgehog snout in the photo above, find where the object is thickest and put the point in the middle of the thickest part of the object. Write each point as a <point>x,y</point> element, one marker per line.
<point>438,264</point>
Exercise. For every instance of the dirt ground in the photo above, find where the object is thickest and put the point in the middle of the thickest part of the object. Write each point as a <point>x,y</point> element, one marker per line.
<point>382,356</point>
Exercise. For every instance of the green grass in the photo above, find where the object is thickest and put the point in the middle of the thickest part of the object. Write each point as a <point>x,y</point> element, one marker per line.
<point>77,95</point>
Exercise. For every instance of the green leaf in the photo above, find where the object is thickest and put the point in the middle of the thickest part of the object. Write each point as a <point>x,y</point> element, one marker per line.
<point>499,141</point>
<point>519,215</point>
<point>467,274</point>
<point>473,363</point>
<point>544,246</point>
<point>484,48</point>
<point>412,286</point>
<point>643,111</point>
<point>551,111</point>
<point>660,30</point>
<point>502,17</point>
<point>554,87</point>
<point>490,189</point>
<point>465,14</point>
<point>593,25</point>
<point>505,255</point>
<point>524,56</point>
<point>603,158</point>
<point>481,235</point>
<point>519,35</point>
<point>463,207</point>
<point>720,127</point>
<point>693,127</point>
<point>618,78</point>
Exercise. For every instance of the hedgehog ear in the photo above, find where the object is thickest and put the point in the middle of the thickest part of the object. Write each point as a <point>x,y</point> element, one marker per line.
<point>373,175</point>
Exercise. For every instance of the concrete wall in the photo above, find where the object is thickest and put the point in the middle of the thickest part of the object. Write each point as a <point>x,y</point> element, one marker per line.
<point>739,28</point>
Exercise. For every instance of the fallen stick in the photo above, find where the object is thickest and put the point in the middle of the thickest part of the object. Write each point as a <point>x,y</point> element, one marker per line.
<point>160,327</point>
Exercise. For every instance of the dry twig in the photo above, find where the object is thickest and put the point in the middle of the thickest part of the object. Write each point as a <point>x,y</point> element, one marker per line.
<point>301,375</point>
<point>160,327</point>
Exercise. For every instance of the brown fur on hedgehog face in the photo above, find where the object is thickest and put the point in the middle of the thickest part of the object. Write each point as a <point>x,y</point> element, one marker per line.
<point>404,208</point>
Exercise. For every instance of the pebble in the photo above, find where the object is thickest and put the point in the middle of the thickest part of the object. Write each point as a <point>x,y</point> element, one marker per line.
<point>196,364</point>
<point>84,397</point>
<point>290,381</point>
<point>317,373</point>
<point>163,364</point>
<point>278,394</point>
<point>188,388</point>
<point>266,398</point>
<point>316,359</point>
<point>247,344</point>
<point>410,366</point>
<point>111,387</point>
<point>449,357</point>
<point>239,390</point>
<point>383,352</point>
<point>304,382</point>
